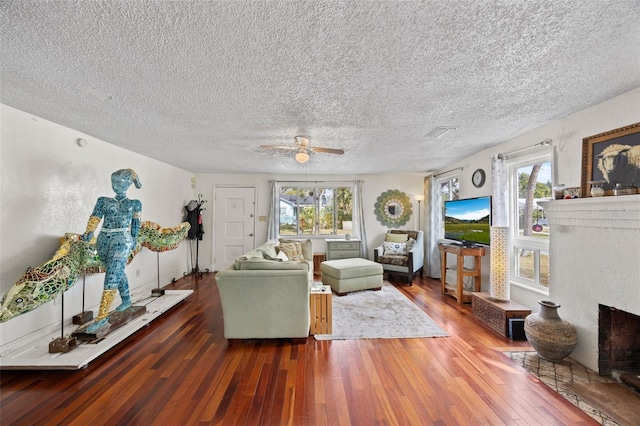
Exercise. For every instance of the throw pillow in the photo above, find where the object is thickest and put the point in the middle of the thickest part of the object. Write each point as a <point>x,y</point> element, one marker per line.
<point>395,248</point>
<point>280,257</point>
<point>269,248</point>
<point>299,252</point>
<point>254,254</point>
<point>396,238</point>
<point>410,243</point>
<point>307,247</point>
<point>291,250</point>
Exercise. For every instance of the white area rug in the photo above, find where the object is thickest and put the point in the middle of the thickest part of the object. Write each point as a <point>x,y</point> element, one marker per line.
<point>384,314</point>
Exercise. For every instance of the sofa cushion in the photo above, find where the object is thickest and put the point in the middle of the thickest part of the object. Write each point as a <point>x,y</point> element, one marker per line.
<point>410,243</point>
<point>263,264</point>
<point>394,260</point>
<point>292,250</point>
<point>396,238</point>
<point>395,248</point>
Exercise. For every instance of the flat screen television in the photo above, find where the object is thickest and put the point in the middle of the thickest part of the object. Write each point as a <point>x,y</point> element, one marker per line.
<point>468,220</point>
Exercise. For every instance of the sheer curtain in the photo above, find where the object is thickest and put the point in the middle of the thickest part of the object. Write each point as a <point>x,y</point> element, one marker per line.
<point>499,273</point>
<point>500,200</point>
<point>433,225</point>
<point>274,212</point>
<point>359,219</point>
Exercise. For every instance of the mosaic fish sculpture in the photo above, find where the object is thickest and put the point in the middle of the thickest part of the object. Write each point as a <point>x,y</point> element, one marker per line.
<point>74,257</point>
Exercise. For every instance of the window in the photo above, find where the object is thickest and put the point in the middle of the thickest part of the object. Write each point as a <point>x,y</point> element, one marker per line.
<point>449,188</point>
<point>315,210</point>
<point>530,181</point>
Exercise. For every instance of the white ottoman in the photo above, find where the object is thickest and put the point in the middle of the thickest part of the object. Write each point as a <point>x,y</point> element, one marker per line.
<point>345,275</point>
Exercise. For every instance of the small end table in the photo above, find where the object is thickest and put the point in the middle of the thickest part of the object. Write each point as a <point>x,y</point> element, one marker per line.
<point>320,304</point>
<point>318,258</point>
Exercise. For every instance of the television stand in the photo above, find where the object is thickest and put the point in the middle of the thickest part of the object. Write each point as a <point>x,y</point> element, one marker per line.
<point>457,290</point>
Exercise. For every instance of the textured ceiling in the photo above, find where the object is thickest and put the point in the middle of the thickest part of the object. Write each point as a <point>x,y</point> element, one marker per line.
<point>201,84</point>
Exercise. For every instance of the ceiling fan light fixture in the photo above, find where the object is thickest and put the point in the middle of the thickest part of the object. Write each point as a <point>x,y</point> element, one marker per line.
<point>302,157</point>
<point>302,140</point>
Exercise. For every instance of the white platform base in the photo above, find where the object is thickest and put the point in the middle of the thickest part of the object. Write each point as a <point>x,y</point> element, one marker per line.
<point>35,355</point>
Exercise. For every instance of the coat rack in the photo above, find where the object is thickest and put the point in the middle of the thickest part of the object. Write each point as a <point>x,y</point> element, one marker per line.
<point>194,216</point>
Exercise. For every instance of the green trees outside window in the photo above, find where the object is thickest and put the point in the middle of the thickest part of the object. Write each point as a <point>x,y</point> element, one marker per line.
<point>316,210</point>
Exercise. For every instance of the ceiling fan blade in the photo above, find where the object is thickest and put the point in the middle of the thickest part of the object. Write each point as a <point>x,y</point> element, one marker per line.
<point>288,148</point>
<point>327,150</point>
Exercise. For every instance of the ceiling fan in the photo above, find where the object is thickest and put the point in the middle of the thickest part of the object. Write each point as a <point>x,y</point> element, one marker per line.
<point>301,145</point>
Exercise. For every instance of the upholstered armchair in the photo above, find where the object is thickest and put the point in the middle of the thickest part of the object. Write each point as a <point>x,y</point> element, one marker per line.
<point>401,253</point>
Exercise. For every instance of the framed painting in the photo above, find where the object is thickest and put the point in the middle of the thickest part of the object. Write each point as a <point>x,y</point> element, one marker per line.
<point>612,157</point>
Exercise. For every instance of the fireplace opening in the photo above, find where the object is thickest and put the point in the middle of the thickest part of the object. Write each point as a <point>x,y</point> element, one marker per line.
<point>619,344</point>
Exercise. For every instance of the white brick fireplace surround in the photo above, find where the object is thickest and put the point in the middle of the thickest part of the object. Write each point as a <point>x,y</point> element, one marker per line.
<point>595,259</point>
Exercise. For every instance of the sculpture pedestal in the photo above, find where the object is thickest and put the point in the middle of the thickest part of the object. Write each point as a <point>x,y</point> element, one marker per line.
<point>116,319</point>
<point>34,354</point>
<point>62,344</point>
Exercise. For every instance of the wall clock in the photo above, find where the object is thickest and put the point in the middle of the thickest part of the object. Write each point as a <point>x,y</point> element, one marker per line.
<point>478,178</point>
<point>393,208</point>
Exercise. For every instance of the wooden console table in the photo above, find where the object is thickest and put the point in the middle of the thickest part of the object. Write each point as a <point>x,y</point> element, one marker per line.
<point>458,290</point>
<point>321,306</point>
<point>497,314</point>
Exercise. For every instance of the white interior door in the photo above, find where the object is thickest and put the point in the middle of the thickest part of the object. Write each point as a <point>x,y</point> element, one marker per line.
<point>234,224</point>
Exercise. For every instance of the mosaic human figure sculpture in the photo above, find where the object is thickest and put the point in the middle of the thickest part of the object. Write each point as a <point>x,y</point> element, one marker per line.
<point>116,240</point>
<point>43,283</point>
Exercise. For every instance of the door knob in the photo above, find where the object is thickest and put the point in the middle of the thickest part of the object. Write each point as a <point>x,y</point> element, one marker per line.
<point>251,235</point>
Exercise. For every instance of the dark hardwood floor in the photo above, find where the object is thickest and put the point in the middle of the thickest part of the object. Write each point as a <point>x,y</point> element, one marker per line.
<point>180,370</point>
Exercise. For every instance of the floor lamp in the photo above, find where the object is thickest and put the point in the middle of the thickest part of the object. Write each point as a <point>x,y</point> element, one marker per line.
<point>419,198</point>
<point>499,275</point>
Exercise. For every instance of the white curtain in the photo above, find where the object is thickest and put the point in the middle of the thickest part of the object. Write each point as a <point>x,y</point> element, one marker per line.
<point>274,212</point>
<point>359,219</point>
<point>433,225</point>
<point>499,274</point>
<point>500,200</point>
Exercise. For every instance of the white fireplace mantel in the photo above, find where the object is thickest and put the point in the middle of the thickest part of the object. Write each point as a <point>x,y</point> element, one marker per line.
<point>605,212</point>
<point>594,253</point>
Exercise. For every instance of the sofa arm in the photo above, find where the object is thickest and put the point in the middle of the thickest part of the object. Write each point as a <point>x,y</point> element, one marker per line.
<point>416,258</point>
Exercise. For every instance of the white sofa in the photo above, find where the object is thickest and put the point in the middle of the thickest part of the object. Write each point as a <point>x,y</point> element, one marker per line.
<point>263,297</point>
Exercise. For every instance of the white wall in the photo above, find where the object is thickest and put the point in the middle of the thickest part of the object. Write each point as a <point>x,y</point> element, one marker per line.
<point>49,188</point>
<point>567,134</point>
<point>373,186</point>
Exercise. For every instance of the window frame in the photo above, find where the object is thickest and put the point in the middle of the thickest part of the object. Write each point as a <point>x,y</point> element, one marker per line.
<point>449,179</point>
<point>316,226</point>
<point>446,178</point>
<point>517,242</point>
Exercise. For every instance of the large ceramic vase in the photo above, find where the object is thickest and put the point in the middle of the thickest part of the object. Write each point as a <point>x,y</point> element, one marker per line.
<point>551,336</point>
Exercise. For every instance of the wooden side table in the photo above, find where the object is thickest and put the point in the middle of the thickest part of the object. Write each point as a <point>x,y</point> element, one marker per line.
<point>320,304</point>
<point>318,258</point>
<point>457,290</point>
<point>497,314</point>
